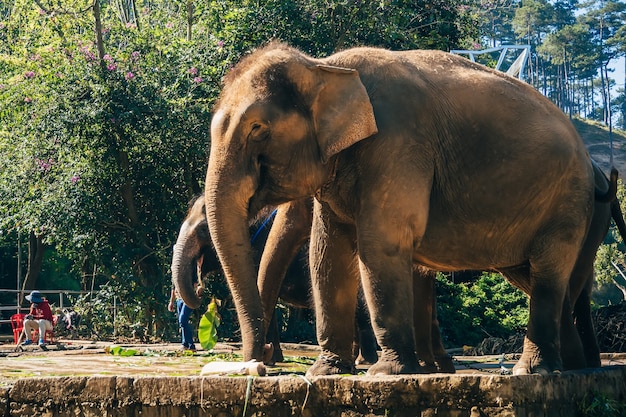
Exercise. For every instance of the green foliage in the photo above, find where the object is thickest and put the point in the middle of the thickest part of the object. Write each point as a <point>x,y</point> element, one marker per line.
<point>489,307</point>
<point>120,351</point>
<point>207,329</point>
<point>598,405</point>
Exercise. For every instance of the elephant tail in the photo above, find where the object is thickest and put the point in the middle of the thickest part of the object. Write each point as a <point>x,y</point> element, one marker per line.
<point>611,194</point>
<point>618,218</point>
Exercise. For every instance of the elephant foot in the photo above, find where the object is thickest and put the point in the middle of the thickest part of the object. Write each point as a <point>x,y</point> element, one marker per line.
<point>428,367</point>
<point>330,364</point>
<point>593,361</point>
<point>383,367</point>
<point>268,353</point>
<point>392,364</point>
<point>366,358</point>
<point>534,362</point>
<point>277,356</point>
<point>574,362</point>
<point>445,364</point>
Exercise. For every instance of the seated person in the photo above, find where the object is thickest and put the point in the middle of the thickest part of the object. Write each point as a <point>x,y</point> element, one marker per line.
<point>39,318</point>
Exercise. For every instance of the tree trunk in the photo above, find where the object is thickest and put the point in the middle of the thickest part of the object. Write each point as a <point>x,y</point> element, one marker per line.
<point>189,19</point>
<point>98,29</point>
<point>36,250</point>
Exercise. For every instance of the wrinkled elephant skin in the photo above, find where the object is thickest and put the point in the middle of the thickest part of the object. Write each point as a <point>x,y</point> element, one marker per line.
<point>413,157</point>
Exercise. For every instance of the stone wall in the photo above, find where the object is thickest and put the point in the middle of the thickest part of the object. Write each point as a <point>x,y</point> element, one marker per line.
<point>418,395</point>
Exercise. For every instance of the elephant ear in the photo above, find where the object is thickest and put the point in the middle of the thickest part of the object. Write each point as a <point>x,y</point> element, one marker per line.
<point>341,110</point>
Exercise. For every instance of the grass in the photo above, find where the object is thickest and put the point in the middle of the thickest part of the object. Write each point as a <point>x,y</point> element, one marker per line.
<point>599,405</point>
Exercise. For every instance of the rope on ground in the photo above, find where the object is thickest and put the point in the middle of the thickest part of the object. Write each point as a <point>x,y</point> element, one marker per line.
<point>202,394</point>
<point>308,390</point>
<point>250,378</point>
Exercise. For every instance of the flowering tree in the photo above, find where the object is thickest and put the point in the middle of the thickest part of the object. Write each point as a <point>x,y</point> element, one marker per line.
<point>99,156</point>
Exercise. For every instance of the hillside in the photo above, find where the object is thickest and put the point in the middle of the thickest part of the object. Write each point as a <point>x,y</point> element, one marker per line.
<point>596,137</point>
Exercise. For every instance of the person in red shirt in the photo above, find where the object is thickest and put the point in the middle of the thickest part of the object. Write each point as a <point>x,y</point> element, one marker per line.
<point>39,318</point>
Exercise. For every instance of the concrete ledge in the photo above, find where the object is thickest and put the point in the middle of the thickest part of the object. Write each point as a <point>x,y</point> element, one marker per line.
<point>417,395</point>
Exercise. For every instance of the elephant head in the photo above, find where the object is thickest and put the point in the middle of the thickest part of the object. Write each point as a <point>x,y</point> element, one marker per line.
<point>276,127</point>
<point>193,250</point>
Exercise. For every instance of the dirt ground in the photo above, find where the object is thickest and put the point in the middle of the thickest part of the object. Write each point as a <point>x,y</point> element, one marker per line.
<point>86,358</point>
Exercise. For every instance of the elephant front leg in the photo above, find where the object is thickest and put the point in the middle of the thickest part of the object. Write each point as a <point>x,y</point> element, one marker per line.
<point>334,279</point>
<point>387,278</point>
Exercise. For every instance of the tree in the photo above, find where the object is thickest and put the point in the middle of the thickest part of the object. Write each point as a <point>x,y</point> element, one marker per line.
<point>532,23</point>
<point>606,22</point>
<point>564,48</point>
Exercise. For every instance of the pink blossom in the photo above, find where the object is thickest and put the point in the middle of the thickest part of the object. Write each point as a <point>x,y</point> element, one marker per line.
<point>135,55</point>
<point>112,67</point>
<point>108,58</point>
<point>29,74</point>
<point>75,178</point>
<point>129,75</point>
<point>89,56</point>
<point>197,80</point>
<point>193,71</point>
<point>220,44</point>
<point>27,99</point>
<point>44,165</point>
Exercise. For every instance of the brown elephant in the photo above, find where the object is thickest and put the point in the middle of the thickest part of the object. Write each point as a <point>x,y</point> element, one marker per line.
<point>283,273</point>
<point>415,157</point>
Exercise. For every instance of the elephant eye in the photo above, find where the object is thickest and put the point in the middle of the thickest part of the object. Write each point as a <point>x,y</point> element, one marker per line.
<point>258,132</point>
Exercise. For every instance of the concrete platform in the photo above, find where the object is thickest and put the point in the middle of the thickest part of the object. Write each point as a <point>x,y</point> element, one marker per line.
<point>85,381</point>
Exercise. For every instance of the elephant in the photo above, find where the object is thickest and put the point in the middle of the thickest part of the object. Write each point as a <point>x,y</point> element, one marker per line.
<point>413,158</point>
<point>284,273</point>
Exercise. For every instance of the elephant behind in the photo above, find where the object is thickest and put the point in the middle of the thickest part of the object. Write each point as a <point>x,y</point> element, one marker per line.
<point>284,274</point>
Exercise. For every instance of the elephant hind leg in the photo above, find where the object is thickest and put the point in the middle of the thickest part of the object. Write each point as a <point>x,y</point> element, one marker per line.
<point>443,361</point>
<point>365,340</point>
<point>548,283</point>
<point>428,346</point>
<point>586,331</point>
<point>571,347</point>
<point>423,313</point>
<point>273,337</point>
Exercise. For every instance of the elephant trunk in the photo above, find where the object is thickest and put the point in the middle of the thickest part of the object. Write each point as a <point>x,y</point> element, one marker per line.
<point>227,199</point>
<point>184,268</point>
